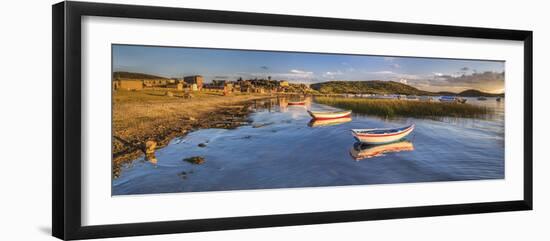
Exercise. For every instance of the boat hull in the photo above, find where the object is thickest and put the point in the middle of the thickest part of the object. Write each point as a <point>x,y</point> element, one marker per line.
<point>296,103</point>
<point>377,139</point>
<point>329,115</point>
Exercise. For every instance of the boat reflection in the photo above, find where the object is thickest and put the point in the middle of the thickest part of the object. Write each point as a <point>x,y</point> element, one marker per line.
<point>361,151</point>
<point>281,104</point>
<point>328,122</point>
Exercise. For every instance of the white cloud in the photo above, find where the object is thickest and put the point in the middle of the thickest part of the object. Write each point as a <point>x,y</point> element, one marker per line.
<point>297,71</point>
<point>383,72</point>
<point>334,73</point>
<point>395,66</point>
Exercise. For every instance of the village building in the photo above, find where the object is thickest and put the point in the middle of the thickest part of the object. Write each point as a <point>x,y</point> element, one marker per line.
<point>284,83</point>
<point>196,82</point>
<point>259,90</point>
<point>155,82</point>
<point>128,84</point>
<point>219,82</point>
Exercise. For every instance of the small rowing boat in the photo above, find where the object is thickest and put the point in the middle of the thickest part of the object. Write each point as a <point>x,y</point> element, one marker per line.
<point>296,103</point>
<point>452,99</point>
<point>381,135</point>
<point>326,115</point>
<point>328,122</point>
<point>361,151</point>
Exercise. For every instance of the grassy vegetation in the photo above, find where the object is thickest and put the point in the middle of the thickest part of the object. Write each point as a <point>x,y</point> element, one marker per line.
<point>391,108</point>
<point>141,113</point>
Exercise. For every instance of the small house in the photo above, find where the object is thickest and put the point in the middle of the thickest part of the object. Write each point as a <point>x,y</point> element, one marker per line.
<point>196,80</point>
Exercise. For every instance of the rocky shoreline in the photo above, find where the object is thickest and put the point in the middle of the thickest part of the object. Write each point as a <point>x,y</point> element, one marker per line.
<point>131,147</point>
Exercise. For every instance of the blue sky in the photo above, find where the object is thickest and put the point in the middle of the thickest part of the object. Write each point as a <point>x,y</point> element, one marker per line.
<point>424,73</point>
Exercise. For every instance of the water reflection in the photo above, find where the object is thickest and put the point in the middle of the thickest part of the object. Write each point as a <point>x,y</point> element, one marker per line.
<point>328,122</point>
<point>361,151</point>
<point>282,103</point>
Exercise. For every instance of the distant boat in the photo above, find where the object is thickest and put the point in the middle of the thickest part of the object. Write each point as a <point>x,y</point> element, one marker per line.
<point>327,115</point>
<point>296,103</point>
<point>449,99</point>
<point>426,98</point>
<point>328,122</point>
<point>412,97</point>
<point>481,98</point>
<point>362,151</point>
<point>381,135</point>
<point>452,99</point>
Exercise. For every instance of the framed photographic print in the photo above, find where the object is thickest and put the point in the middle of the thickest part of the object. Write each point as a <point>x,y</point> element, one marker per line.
<point>170,120</point>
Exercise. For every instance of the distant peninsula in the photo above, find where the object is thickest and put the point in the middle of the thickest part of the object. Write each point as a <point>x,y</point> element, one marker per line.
<point>380,87</point>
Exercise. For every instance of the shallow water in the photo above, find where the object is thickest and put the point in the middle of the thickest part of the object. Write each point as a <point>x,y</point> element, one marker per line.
<point>280,149</point>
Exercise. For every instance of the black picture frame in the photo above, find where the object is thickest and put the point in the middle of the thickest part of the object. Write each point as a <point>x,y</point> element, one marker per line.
<point>66,48</point>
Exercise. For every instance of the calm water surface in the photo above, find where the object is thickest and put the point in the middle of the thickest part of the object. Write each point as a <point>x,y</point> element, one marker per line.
<point>281,149</point>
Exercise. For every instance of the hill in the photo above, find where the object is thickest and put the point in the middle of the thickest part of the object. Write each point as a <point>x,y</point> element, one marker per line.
<point>131,75</point>
<point>367,87</point>
<point>477,93</point>
<point>387,87</point>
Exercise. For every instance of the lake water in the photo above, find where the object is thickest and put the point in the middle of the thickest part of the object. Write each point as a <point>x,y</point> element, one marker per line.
<point>282,149</point>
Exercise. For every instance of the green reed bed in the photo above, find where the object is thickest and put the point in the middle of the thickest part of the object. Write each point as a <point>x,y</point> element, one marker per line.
<point>391,108</point>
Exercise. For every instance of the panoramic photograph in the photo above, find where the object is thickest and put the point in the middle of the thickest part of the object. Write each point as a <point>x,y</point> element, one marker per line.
<point>188,119</point>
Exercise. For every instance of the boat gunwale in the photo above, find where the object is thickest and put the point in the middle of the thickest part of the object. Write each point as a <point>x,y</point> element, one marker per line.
<point>357,132</point>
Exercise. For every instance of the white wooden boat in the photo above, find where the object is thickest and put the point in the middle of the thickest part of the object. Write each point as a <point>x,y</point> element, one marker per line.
<point>296,103</point>
<point>361,151</point>
<point>325,115</point>
<point>328,122</point>
<point>381,135</point>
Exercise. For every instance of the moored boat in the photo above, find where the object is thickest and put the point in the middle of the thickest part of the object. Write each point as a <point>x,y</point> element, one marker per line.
<point>481,98</point>
<point>361,151</point>
<point>326,115</point>
<point>381,135</point>
<point>448,99</point>
<point>296,103</point>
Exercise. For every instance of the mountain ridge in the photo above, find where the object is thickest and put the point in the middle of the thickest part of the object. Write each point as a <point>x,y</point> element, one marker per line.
<point>387,87</point>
